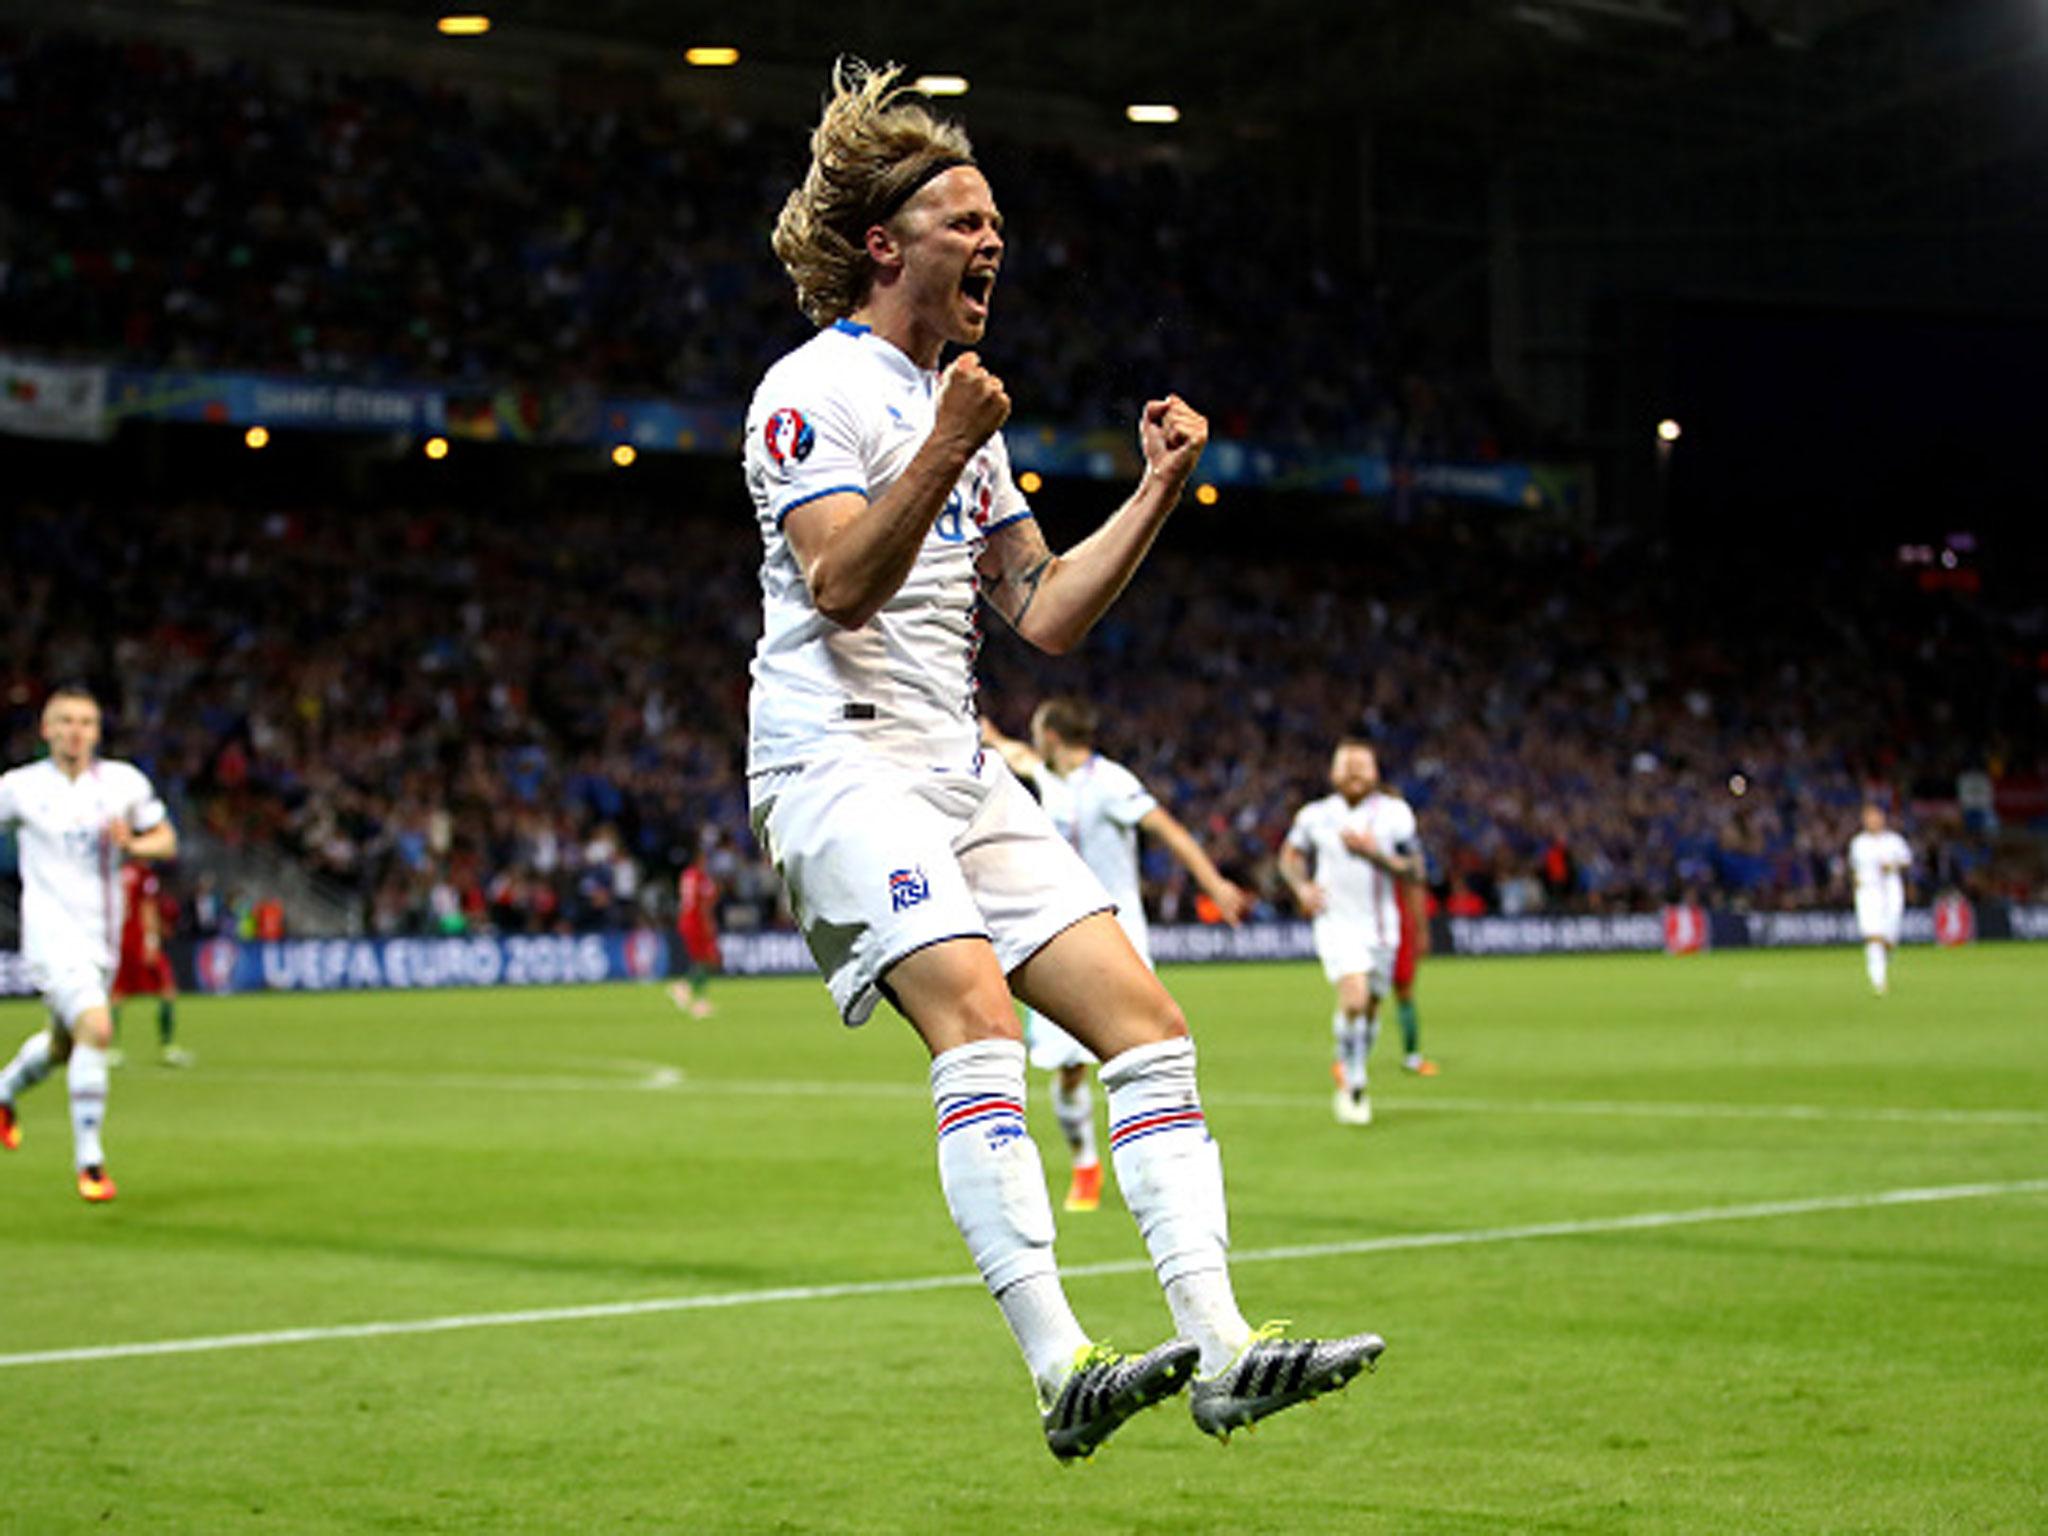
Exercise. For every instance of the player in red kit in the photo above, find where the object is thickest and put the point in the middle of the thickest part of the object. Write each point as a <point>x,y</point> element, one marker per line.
<point>1414,945</point>
<point>145,967</point>
<point>697,927</point>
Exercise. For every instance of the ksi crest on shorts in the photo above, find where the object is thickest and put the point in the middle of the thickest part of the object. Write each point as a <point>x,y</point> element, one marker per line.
<point>908,887</point>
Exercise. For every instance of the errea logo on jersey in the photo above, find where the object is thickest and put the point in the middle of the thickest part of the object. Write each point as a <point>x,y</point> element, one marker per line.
<point>908,887</point>
<point>788,437</point>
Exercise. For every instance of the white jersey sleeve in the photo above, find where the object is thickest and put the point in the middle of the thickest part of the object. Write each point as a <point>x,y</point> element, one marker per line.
<point>1398,830</point>
<point>1122,796</point>
<point>806,448</point>
<point>136,798</point>
<point>1005,503</point>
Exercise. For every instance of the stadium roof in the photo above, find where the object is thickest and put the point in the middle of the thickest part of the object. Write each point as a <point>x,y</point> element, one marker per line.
<point>1512,67</point>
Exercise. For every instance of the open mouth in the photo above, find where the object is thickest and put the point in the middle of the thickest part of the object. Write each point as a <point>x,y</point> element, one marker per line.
<point>977,288</point>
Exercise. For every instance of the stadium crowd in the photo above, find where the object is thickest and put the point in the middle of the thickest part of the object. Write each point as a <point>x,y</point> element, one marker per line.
<point>163,211</point>
<point>469,720</point>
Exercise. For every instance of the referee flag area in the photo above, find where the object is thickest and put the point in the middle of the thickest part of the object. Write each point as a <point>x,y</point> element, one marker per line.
<point>1711,1243</point>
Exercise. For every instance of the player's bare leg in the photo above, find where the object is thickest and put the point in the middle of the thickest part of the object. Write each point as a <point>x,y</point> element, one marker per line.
<point>954,995</point>
<point>1090,981</point>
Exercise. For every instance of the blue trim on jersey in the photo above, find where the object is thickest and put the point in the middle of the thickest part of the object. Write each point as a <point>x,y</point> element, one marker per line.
<point>851,327</point>
<point>1018,518</point>
<point>830,490</point>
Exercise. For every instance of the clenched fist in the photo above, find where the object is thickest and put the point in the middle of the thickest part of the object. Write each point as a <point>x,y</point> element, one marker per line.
<point>1173,434</point>
<point>971,403</point>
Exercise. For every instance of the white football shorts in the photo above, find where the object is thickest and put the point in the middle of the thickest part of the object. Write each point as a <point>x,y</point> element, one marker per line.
<point>1051,1047</point>
<point>70,986</point>
<point>1348,947</point>
<point>1878,915</point>
<point>883,859</point>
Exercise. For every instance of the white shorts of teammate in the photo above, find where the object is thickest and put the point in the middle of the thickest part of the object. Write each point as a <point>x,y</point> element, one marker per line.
<point>1052,1048</point>
<point>1878,915</point>
<point>70,986</point>
<point>882,860</point>
<point>1349,948</point>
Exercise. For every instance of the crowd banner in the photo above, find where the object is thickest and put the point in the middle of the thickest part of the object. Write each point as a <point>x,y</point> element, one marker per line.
<point>60,400</point>
<point>281,402</point>
<point>220,966</point>
<point>353,965</point>
<point>74,400</point>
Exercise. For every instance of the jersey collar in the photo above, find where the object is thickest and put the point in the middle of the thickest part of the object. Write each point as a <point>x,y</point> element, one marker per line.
<point>891,354</point>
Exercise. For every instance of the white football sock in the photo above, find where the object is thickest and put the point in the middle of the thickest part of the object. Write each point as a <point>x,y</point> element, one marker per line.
<point>1171,1176</point>
<point>995,1188</point>
<point>1076,1114</point>
<point>1874,962</point>
<point>30,1066</point>
<point>1351,1049</point>
<point>87,1075</point>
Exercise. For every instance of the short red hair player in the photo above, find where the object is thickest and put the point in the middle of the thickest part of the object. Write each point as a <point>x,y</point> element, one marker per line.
<point>145,968</point>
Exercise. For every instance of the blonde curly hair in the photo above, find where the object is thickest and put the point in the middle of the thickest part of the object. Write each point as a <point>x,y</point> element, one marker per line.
<point>874,146</point>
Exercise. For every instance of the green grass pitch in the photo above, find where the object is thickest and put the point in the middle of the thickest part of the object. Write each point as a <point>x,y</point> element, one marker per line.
<point>1782,1354</point>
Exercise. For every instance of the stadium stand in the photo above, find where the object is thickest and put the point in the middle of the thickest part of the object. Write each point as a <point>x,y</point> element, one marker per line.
<point>467,725</point>
<point>211,215</point>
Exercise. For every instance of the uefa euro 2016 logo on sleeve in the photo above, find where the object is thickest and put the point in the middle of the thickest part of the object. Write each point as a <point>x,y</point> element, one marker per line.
<point>907,887</point>
<point>787,436</point>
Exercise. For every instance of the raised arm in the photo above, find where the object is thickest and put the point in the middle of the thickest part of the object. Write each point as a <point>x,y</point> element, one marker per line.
<point>1232,901</point>
<point>854,552</point>
<point>1054,600</point>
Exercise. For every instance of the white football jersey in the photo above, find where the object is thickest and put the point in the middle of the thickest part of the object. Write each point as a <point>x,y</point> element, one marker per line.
<point>846,411</point>
<point>1097,808</point>
<point>1878,861</point>
<point>1358,890</point>
<point>70,873</point>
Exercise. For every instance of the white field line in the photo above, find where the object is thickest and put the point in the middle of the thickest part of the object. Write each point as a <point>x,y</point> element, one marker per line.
<point>1641,1222</point>
<point>652,1077</point>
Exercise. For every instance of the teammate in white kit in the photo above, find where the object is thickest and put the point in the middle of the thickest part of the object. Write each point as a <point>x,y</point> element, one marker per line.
<point>1878,861</point>
<point>918,868</point>
<point>1100,807</point>
<point>76,817</point>
<point>1361,843</point>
